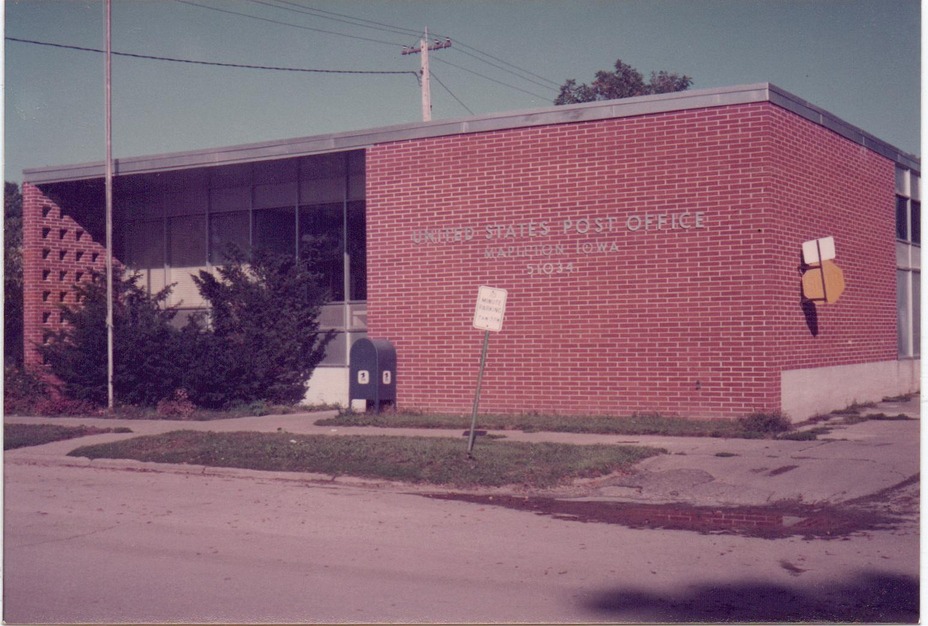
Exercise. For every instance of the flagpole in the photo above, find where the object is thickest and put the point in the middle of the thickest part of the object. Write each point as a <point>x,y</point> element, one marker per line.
<point>109,207</point>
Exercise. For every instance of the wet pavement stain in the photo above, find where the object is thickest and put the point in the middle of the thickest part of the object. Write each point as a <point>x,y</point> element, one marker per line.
<point>768,522</point>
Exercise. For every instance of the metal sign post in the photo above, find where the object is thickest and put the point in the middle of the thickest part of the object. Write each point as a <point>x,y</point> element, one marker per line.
<point>473,420</point>
<point>488,316</point>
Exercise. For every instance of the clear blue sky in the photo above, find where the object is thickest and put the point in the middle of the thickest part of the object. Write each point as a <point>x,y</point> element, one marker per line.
<point>859,59</point>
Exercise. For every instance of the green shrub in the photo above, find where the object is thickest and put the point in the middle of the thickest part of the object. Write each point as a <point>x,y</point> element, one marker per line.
<point>60,405</point>
<point>23,390</point>
<point>178,406</point>
<point>146,367</point>
<point>261,341</point>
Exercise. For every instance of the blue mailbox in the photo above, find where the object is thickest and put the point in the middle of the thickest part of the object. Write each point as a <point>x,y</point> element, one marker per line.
<point>372,366</point>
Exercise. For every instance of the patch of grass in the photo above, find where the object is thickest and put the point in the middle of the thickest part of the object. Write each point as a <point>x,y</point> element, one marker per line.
<point>25,435</point>
<point>753,427</point>
<point>854,409</point>
<point>889,418</point>
<point>804,435</point>
<point>253,409</point>
<point>426,460</point>
<point>902,398</point>
<point>765,423</point>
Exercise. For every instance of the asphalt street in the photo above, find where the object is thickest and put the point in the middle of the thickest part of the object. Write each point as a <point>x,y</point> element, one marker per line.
<point>125,542</point>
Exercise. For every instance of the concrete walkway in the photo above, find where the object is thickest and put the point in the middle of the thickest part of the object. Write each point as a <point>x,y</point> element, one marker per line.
<point>852,461</point>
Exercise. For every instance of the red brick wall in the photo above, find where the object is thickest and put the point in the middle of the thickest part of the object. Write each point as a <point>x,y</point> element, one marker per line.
<point>824,186</point>
<point>57,253</point>
<point>695,321</point>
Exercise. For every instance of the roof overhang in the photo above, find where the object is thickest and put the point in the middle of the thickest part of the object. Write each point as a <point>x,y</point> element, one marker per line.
<point>591,111</point>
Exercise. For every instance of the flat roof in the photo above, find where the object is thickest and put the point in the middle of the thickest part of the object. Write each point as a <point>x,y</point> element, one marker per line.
<point>353,140</point>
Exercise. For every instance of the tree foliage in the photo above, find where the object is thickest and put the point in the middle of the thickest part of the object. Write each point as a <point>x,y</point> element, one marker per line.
<point>12,274</point>
<point>624,82</point>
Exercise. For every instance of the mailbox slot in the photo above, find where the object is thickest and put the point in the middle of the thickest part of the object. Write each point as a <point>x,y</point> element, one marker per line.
<point>372,367</point>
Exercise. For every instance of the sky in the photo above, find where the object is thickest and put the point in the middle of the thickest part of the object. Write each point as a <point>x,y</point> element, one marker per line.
<point>858,59</point>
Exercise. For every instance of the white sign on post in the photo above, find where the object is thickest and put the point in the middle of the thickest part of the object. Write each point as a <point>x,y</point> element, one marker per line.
<point>491,305</point>
<point>818,250</point>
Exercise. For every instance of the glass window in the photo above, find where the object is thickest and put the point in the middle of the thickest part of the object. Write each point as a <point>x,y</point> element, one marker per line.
<point>144,244</point>
<point>357,250</point>
<point>230,176</point>
<point>322,179</point>
<point>229,199</point>
<point>321,243</point>
<point>901,179</point>
<point>902,218</point>
<point>915,221</point>
<point>187,241</point>
<point>275,172</point>
<point>275,230</point>
<point>227,229</point>
<point>186,202</point>
<point>275,195</point>
<point>356,176</point>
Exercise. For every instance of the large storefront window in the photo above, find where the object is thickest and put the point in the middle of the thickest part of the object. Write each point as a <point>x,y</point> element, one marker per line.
<point>173,225</point>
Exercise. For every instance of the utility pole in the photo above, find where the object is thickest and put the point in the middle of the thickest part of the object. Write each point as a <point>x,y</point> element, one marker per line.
<point>424,81</point>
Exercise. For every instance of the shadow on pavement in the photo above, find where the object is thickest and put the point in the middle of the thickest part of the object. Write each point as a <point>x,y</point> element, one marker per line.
<point>870,597</point>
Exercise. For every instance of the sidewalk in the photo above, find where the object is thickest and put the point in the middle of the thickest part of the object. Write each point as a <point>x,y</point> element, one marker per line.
<point>852,461</point>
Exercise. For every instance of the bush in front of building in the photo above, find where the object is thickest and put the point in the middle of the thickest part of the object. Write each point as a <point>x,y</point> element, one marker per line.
<point>146,367</point>
<point>261,340</point>
<point>22,390</point>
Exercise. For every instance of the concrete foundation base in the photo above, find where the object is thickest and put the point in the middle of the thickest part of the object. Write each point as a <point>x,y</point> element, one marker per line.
<point>805,393</point>
<point>328,385</point>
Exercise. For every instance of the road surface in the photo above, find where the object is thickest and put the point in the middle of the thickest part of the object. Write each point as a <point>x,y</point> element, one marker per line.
<point>92,544</point>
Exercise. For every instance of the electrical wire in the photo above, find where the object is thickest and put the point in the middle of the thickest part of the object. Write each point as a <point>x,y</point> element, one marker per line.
<point>279,23</point>
<point>516,71</point>
<point>432,74</point>
<point>499,67</point>
<point>487,77</point>
<point>340,17</point>
<point>213,63</point>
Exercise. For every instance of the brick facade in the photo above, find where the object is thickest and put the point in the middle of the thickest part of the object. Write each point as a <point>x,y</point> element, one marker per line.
<point>59,250</point>
<point>652,258</point>
<point>687,300</point>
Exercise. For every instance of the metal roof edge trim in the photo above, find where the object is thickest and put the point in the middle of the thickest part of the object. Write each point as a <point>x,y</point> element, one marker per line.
<point>809,111</point>
<point>590,111</point>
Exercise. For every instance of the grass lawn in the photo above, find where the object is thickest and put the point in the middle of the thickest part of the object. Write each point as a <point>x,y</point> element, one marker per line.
<point>421,460</point>
<point>24,435</point>
<point>753,427</point>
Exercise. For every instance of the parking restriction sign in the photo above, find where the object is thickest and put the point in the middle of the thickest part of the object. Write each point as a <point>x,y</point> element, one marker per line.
<point>491,305</point>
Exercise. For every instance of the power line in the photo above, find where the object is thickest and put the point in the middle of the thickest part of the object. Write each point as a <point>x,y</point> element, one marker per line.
<point>345,19</point>
<point>213,63</point>
<point>279,23</point>
<point>491,79</point>
<point>547,84</point>
<point>516,71</point>
<point>451,93</point>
